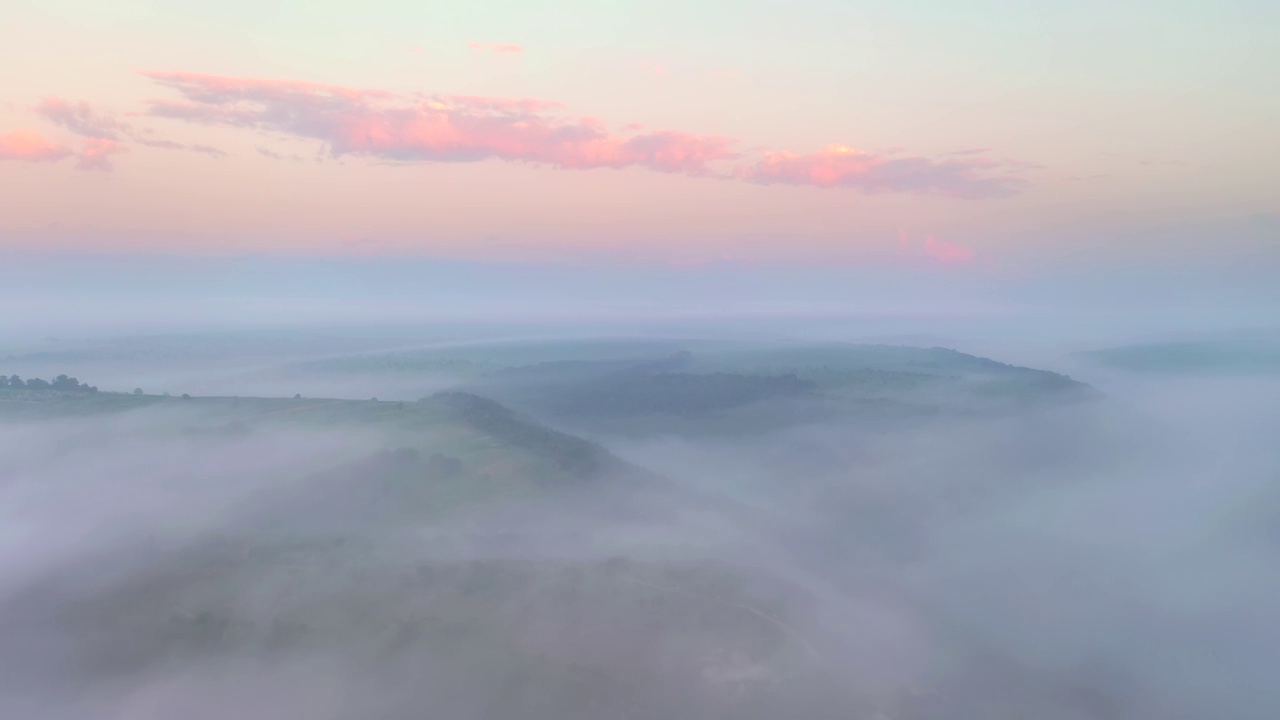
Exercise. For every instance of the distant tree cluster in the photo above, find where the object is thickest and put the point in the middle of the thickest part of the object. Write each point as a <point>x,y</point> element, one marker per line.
<point>62,382</point>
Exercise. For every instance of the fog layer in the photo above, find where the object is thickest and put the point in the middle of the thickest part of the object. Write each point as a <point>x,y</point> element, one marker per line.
<point>969,540</point>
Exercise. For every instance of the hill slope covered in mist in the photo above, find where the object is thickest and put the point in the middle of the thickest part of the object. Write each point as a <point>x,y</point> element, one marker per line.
<point>457,554</point>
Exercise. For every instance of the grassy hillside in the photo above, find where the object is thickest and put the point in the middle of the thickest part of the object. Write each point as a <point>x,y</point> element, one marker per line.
<point>488,439</point>
<point>456,555</point>
<point>384,563</point>
<point>741,388</point>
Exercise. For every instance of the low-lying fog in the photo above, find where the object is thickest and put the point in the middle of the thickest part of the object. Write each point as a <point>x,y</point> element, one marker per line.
<point>1112,559</point>
<point>1134,541</point>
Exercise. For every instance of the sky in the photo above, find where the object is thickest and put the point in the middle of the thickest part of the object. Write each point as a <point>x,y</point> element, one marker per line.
<point>994,143</point>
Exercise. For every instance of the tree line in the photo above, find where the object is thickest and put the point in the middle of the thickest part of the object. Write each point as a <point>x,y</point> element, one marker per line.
<point>62,382</point>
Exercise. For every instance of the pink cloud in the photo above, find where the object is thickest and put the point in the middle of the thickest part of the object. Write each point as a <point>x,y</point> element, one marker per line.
<point>189,147</point>
<point>420,127</point>
<point>80,118</point>
<point>216,89</point>
<point>30,146</point>
<point>653,68</point>
<point>432,128</point>
<point>103,133</point>
<point>505,48</point>
<point>269,153</point>
<point>934,250</point>
<point>96,154</point>
<point>842,166</point>
<point>946,252</point>
<point>504,105</point>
